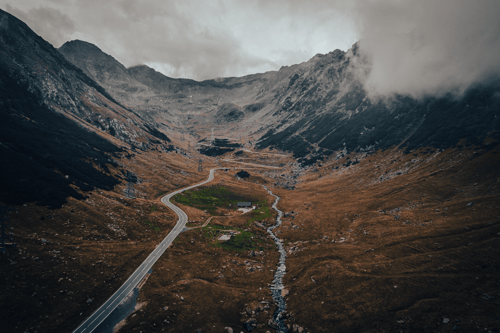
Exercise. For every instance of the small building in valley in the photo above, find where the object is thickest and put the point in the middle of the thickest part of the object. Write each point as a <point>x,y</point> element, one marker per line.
<point>244,204</point>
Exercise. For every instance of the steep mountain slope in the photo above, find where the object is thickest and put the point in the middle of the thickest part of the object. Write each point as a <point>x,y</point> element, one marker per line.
<point>170,103</point>
<point>62,87</point>
<point>323,108</point>
<point>315,108</point>
<point>80,176</point>
<point>103,69</point>
<point>57,122</point>
<point>45,155</point>
<point>377,239</point>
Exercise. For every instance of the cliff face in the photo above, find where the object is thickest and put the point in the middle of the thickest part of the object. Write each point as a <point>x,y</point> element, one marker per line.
<point>63,87</point>
<point>102,68</point>
<point>316,108</point>
<point>57,122</point>
<point>322,108</point>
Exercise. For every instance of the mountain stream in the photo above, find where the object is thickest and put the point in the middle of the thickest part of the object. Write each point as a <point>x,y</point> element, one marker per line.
<point>277,285</point>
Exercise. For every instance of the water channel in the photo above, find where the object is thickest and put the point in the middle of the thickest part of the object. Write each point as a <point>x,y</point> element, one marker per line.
<point>128,306</point>
<point>277,285</point>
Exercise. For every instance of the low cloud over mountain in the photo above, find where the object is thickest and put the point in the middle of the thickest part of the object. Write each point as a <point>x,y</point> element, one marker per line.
<point>417,48</point>
<point>429,47</point>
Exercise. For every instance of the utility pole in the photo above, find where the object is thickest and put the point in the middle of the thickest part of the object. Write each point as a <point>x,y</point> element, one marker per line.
<point>5,237</point>
<point>200,165</point>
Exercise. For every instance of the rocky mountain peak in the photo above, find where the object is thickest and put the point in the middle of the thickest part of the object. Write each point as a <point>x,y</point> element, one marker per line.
<point>83,48</point>
<point>93,61</point>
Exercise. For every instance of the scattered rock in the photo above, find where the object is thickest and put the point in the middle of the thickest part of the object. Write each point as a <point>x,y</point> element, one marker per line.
<point>446,320</point>
<point>250,324</point>
<point>297,329</point>
<point>271,323</point>
<point>228,329</point>
<point>470,204</point>
<point>260,225</point>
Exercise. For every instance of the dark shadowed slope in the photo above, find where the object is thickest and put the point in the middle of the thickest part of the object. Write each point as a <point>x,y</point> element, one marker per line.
<point>56,123</point>
<point>45,155</point>
<point>324,103</point>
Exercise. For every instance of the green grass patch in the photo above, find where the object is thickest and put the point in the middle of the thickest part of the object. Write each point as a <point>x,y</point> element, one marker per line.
<point>260,214</point>
<point>239,242</point>
<point>154,208</point>
<point>211,230</point>
<point>152,226</point>
<point>209,198</point>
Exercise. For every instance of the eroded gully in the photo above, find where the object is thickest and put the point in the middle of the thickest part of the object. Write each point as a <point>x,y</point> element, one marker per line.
<point>277,285</point>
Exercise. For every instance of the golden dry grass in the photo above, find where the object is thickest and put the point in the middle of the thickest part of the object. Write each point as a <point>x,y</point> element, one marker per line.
<point>369,250</point>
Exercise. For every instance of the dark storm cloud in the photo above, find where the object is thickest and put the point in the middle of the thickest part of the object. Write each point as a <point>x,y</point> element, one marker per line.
<point>429,47</point>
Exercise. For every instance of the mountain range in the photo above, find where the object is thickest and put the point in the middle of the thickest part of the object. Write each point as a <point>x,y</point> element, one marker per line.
<point>314,109</point>
<point>390,203</point>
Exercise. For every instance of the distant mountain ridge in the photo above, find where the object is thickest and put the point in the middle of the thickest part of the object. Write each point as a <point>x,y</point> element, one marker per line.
<point>320,107</point>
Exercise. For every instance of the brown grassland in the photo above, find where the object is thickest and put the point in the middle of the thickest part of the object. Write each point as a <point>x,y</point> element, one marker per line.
<point>396,242</point>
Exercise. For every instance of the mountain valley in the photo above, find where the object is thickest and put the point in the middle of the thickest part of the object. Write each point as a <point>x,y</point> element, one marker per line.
<point>391,205</point>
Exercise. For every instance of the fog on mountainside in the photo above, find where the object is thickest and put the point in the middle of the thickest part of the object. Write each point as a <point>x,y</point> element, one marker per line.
<point>313,109</point>
<point>416,48</point>
<point>429,48</point>
<point>362,211</point>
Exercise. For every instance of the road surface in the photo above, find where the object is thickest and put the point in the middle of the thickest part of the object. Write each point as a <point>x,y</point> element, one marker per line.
<point>105,310</point>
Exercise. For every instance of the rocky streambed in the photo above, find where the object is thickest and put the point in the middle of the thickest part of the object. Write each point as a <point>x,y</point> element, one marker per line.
<point>277,287</point>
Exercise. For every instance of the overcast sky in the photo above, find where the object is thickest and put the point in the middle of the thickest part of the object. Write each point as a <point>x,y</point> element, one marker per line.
<point>199,39</point>
<point>418,47</point>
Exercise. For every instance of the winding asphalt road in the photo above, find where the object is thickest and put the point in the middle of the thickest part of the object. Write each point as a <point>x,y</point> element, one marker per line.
<point>105,310</point>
